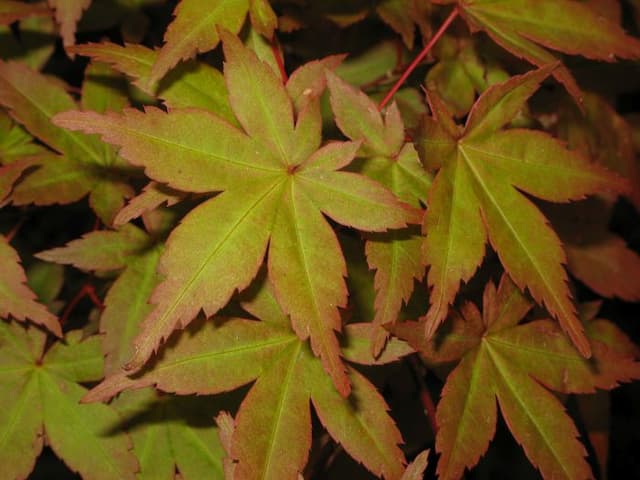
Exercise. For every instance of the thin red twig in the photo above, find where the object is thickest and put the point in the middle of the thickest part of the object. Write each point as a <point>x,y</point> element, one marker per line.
<point>13,232</point>
<point>275,48</point>
<point>87,290</point>
<point>427,48</point>
<point>425,395</point>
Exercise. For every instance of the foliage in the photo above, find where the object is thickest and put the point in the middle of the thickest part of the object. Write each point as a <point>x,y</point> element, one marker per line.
<point>288,237</point>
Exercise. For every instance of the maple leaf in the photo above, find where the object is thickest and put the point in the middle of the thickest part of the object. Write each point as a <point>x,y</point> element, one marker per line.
<point>190,84</point>
<point>474,198</point>
<point>385,157</point>
<point>604,136</point>
<point>12,11</point>
<point>16,299</point>
<point>40,400</point>
<point>84,165</point>
<point>461,73</point>
<point>68,14</point>
<point>267,442</point>
<point>277,183</point>
<point>595,256</point>
<point>525,27</point>
<point>501,360</point>
<point>194,30</point>
<point>132,251</point>
<point>171,433</point>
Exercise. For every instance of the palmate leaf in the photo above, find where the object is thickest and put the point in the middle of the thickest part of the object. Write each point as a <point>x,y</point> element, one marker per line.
<point>132,251</point>
<point>509,363</point>
<point>16,299</point>
<point>171,433</point>
<point>40,400</point>
<point>595,256</point>
<point>272,433</point>
<point>194,30</point>
<point>385,157</point>
<point>83,166</point>
<point>474,198</point>
<point>277,183</point>
<point>190,84</point>
<point>525,27</point>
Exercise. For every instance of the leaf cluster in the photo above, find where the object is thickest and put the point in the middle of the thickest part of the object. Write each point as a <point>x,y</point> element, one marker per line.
<point>251,252</point>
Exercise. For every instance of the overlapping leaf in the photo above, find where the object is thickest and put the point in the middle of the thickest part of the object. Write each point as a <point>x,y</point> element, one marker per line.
<point>83,166</point>
<point>194,28</point>
<point>131,250</point>
<point>525,27</point>
<point>272,433</point>
<point>68,14</point>
<point>510,363</point>
<point>191,84</point>
<point>16,299</point>
<point>277,184</point>
<point>171,433</point>
<point>40,400</point>
<point>386,158</point>
<point>475,198</point>
<point>597,257</point>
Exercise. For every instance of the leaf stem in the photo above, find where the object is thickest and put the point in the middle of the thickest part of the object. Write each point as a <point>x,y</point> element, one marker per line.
<point>427,48</point>
<point>87,290</point>
<point>277,54</point>
<point>417,368</point>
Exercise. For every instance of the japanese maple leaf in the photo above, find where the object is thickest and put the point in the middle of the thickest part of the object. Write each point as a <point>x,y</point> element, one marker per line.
<point>385,157</point>
<point>596,256</point>
<point>132,252</point>
<point>525,27</point>
<point>194,28</point>
<point>475,197</point>
<point>16,298</point>
<point>272,434</point>
<point>68,14</point>
<point>40,400</point>
<point>277,182</point>
<point>83,164</point>
<point>516,365</point>
<point>190,84</point>
<point>171,433</point>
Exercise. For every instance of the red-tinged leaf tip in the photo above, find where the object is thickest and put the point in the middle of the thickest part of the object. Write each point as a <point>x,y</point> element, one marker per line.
<point>195,30</point>
<point>68,15</point>
<point>110,387</point>
<point>415,470</point>
<point>16,298</point>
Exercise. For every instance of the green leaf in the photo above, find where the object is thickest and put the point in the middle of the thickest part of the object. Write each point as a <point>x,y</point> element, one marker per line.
<point>275,194</point>
<point>16,299</point>
<point>194,30</point>
<point>272,433</point>
<point>508,362</point>
<point>171,432</point>
<point>126,306</point>
<point>394,255</point>
<point>100,250</point>
<point>86,166</point>
<point>190,84</point>
<point>473,198</point>
<point>263,18</point>
<point>566,25</point>
<point>46,390</point>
